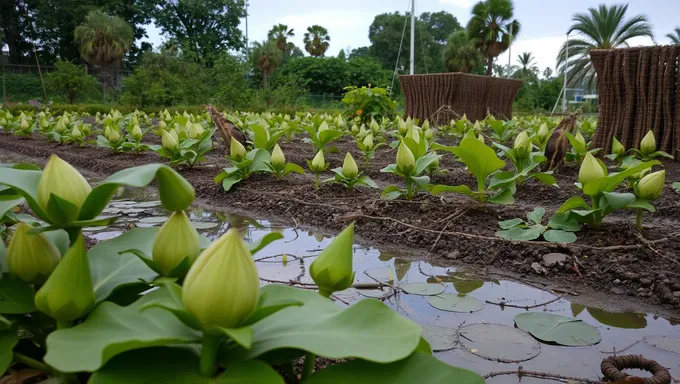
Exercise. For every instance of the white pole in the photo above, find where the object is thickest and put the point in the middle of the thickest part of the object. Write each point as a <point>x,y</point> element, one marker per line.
<point>566,73</point>
<point>413,37</point>
<point>509,53</point>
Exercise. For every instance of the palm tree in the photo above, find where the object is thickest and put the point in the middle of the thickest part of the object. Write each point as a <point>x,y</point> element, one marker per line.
<point>316,40</point>
<point>675,36</point>
<point>493,27</point>
<point>605,27</point>
<point>547,73</point>
<point>527,68</point>
<point>461,53</point>
<point>280,33</point>
<point>267,57</point>
<point>103,41</point>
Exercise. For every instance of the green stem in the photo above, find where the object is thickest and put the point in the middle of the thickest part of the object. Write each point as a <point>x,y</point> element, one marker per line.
<point>308,366</point>
<point>409,190</point>
<point>638,219</point>
<point>316,181</point>
<point>30,362</point>
<point>73,234</point>
<point>64,324</point>
<point>210,346</point>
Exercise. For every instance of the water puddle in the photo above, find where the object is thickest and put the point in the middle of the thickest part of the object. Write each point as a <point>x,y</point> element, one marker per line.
<point>469,320</point>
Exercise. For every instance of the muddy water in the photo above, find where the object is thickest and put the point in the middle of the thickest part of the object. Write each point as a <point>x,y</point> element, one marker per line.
<point>618,330</point>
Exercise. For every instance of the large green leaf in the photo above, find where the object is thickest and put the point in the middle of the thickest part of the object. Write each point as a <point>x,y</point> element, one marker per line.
<point>453,302</point>
<point>462,189</point>
<point>573,203</point>
<point>6,205</point>
<point>110,269</point>
<point>564,222</point>
<point>111,330</point>
<point>16,297</point>
<point>25,183</point>
<point>417,368</point>
<point>562,330</point>
<point>503,197</point>
<point>521,234</point>
<point>8,339</point>
<point>559,236</point>
<point>480,159</point>
<point>368,330</point>
<point>609,183</point>
<point>618,200</point>
<point>423,162</point>
<point>260,158</point>
<point>177,366</point>
<point>175,192</point>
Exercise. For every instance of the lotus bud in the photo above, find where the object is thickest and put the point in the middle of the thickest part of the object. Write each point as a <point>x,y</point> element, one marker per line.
<point>24,124</point>
<point>363,132</point>
<point>323,127</point>
<point>617,147</point>
<point>543,131</point>
<point>405,159</point>
<point>278,159</point>
<point>522,144</point>
<point>318,163</point>
<point>648,143</point>
<point>107,132</point>
<point>413,134</point>
<point>236,150</point>
<point>31,256</point>
<point>374,126</point>
<point>76,134</point>
<point>44,123</point>
<point>163,125</point>
<point>174,135</point>
<point>426,125</point>
<point>591,170</point>
<point>68,293</point>
<point>402,127</point>
<point>349,167</point>
<point>579,138</point>
<point>368,142</point>
<point>222,287</point>
<point>3,121</point>
<point>176,240</point>
<point>650,186</point>
<point>332,270</point>
<point>480,138</point>
<point>428,134</point>
<point>168,142</point>
<point>60,127</point>
<point>114,136</point>
<point>136,133</point>
<point>355,129</point>
<point>340,122</point>
<point>63,181</point>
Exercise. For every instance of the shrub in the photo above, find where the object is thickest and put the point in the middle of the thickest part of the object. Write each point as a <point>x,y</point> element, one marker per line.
<point>70,80</point>
<point>368,103</point>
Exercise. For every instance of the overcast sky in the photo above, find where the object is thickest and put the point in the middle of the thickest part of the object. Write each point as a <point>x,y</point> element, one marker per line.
<point>544,22</point>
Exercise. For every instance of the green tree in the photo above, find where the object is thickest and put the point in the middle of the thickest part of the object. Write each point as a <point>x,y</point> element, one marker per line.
<point>547,73</point>
<point>675,36</point>
<point>280,33</point>
<point>440,25</point>
<point>69,80</point>
<point>360,52</point>
<point>528,71</point>
<point>266,57</point>
<point>493,26</point>
<point>600,28</point>
<point>201,29</point>
<point>461,53</point>
<point>15,28</point>
<point>316,40</point>
<point>103,41</point>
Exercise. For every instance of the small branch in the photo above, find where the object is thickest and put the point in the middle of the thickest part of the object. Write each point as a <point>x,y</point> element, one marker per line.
<point>527,307</point>
<point>614,351</point>
<point>649,243</point>
<point>541,375</point>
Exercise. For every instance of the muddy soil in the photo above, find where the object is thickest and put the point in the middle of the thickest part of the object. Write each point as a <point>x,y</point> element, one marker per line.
<point>634,269</point>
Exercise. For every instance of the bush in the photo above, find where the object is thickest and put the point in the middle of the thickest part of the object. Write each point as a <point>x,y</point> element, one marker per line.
<point>23,87</point>
<point>368,103</point>
<point>70,80</point>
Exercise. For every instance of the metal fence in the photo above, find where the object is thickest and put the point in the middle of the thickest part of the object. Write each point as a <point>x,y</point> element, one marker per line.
<point>24,69</point>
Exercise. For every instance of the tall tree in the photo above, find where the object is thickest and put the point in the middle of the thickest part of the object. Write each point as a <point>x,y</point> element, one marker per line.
<point>103,41</point>
<point>201,29</point>
<point>280,33</point>
<point>461,53</point>
<point>266,57</point>
<point>527,67</point>
<point>600,28</point>
<point>547,73</point>
<point>15,28</point>
<point>317,40</point>
<point>493,26</point>
<point>440,25</point>
<point>675,36</point>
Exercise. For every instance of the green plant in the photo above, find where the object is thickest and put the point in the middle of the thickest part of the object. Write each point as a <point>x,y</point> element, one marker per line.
<point>349,176</point>
<point>413,160</point>
<point>501,130</point>
<point>367,146</point>
<point>179,149</point>
<point>368,103</point>
<point>648,189</point>
<point>317,165</point>
<point>676,186</point>
<point>482,162</point>
<point>278,165</point>
<point>618,152</point>
<point>242,167</point>
<point>524,162</point>
<point>322,136</point>
<point>493,28</point>
<point>70,80</point>
<point>579,148</point>
<point>560,228</point>
<point>648,150</point>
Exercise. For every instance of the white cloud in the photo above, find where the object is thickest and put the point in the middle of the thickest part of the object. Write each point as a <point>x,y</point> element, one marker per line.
<point>459,3</point>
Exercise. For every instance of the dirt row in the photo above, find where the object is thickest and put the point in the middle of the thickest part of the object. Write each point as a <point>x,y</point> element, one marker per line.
<point>635,269</point>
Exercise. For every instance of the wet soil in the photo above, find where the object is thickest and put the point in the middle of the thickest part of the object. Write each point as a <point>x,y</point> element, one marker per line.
<point>635,270</point>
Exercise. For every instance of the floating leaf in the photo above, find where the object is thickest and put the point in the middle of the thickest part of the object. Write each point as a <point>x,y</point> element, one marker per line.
<point>452,302</point>
<point>148,204</point>
<point>626,320</point>
<point>374,293</point>
<point>154,220</point>
<point>423,289</point>
<point>562,330</point>
<point>498,342</point>
<point>382,274</point>
<point>440,338</point>
<point>204,225</point>
<point>467,286</point>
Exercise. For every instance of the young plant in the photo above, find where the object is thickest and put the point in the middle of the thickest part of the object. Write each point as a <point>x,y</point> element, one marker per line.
<point>349,176</point>
<point>368,146</point>
<point>501,130</point>
<point>648,189</point>
<point>182,150</point>
<point>560,228</point>
<point>599,186</point>
<point>482,162</point>
<point>321,137</point>
<point>133,142</point>
<point>112,139</point>
<point>318,166</point>
<point>278,165</point>
<point>413,160</point>
<point>618,152</point>
<point>579,148</point>
<point>262,138</point>
<point>524,162</point>
<point>542,137</point>
<point>243,165</point>
<point>648,150</point>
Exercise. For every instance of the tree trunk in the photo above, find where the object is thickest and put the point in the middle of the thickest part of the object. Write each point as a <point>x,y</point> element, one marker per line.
<point>489,66</point>
<point>265,79</point>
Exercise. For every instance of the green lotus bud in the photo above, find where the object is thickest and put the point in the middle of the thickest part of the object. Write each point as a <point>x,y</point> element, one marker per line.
<point>480,137</point>
<point>617,147</point>
<point>413,134</point>
<point>63,181</point>
<point>591,170</point>
<point>340,122</point>
<point>136,133</point>
<point>349,167</point>
<point>168,142</point>
<point>648,143</point>
<point>428,134</point>
<point>174,135</point>
<point>650,186</point>
<point>31,256</point>
<point>60,127</point>
<point>368,142</point>
<point>355,129</point>
<point>76,134</point>
<point>522,144</point>
<point>176,240</point>
<point>405,159</point>
<point>68,293</point>
<point>363,131</point>
<point>278,159</point>
<point>3,121</point>
<point>374,126</point>
<point>318,163</point>
<point>114,136</point>
<point>44,123</point>
<point>332,270</point>
<point>163,125</point>
<point>402,127</point>
<point>23,124</point>
<point>196,131</point>
<point>222,287</point>
<point>543,131</point>
<point>236,150</point>
<point>323,127</point>
<point>579,138</point>
<point>426,125</point>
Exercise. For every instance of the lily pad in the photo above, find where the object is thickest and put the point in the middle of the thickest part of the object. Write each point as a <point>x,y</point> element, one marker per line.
<point>112,211</point>
<point>423,289</point>
<point>204,225</point>
<point>131,211</point>
<point>374,293</point>
<point>452,302</point>
<point>148,204</point>
<point>382,274</point>
<point>440,338</point>
<point>568,331</point>
<point>664,343</point>
<point>498,342</point>
<point>154,220</point>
